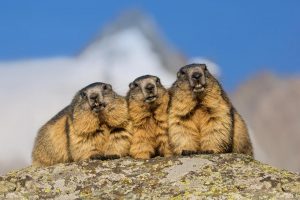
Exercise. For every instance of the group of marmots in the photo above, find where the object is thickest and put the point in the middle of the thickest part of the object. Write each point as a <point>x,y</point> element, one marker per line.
<point>194,116</point>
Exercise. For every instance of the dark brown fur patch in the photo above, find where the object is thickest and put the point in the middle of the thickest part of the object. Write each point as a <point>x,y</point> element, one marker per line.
<point>67,131</point>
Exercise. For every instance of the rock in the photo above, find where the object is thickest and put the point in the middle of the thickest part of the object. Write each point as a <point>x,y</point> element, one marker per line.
<point>225,176</point>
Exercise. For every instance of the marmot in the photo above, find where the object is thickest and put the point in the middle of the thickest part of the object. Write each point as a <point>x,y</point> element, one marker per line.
<point>201,116</point>
<point>92,126</point>
<point>148,103</point>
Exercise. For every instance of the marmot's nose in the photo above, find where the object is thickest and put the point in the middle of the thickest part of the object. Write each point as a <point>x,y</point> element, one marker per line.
<point>102,104</point>
<point>150,87</point>
<point>196,75</point>
<point>94,96</point>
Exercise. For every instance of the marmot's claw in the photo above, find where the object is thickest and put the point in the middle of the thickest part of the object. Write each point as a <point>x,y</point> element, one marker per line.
<point>206,152</point>
<point>188,152</point>
<point>97,157</point>
<point>102,157</point>
<point>112,157</point>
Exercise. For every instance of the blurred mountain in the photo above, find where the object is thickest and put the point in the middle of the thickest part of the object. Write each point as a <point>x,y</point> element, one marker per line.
<point>271,106</point>
<point>120,37</point>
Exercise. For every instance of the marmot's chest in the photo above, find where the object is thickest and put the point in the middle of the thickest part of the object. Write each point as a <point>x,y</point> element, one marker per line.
<point>152,126</point>
<point>201,117</point>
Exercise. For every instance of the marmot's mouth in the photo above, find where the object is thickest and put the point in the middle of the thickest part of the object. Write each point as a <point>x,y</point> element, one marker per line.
<point>97,107</point>
<point>198,88</point>
<point>150,99</point>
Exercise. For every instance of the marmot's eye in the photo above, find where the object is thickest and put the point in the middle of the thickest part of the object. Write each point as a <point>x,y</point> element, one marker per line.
<point>133,85</point>
<point>182,72</point>
<point>158,81</point>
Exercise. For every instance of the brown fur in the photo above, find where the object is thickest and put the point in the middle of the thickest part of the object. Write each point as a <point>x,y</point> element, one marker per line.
<point>118,128</point>
<point>82,130</point>
<point>204,121</point>
<point>149,119</point>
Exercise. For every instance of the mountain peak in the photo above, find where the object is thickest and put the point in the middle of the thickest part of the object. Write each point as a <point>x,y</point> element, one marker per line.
<point>143,26</point>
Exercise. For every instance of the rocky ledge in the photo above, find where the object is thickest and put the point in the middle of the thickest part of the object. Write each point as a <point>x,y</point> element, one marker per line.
<point>226,176</point>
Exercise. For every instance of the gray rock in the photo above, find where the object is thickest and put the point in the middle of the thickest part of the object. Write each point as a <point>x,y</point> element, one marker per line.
<point>226,176</point>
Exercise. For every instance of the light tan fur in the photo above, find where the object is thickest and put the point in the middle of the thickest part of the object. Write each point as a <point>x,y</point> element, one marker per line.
<point>205,121</point>
<point>118,128</point>
<point>79,133</point>
<point>149,120</point>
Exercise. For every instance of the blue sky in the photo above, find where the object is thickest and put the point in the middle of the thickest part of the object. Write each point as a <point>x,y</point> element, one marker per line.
<point>243,37</point>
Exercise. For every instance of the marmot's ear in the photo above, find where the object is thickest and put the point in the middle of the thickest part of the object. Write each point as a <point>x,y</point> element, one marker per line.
<point>180,73</point>
<point>204,67</point>
<point>131,85</point>
<point>158,80</point>
<point>107,87</point>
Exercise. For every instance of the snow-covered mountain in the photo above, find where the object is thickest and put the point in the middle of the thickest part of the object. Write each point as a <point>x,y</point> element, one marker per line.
<point>35,90</point>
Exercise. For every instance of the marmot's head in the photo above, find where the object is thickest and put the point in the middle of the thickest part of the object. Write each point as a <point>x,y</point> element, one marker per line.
<point>94,97</point>
<point>146,89</point>
<point>195,76</point>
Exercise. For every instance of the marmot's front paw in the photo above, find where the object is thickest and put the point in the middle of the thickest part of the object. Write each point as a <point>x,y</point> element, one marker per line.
<point>112,157</point>
<point>188,152</point>
<point>167,155</point>
<point>206,152</point>
<point>142,156</point>
<point>97,157</point>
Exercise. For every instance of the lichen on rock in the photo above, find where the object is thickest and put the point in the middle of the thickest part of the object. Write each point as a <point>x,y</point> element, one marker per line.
<point>224,176</point>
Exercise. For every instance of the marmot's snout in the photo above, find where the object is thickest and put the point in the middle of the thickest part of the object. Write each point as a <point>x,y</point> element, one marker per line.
<point>197,80</point>
<point>97,95</point>
<point>96,102</point>
<point>145,88</point>
<point>195,75</point>
<point>150,92</point>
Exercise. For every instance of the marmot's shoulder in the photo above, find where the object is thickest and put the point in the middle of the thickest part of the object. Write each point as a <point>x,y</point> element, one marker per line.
<point>67,111</point>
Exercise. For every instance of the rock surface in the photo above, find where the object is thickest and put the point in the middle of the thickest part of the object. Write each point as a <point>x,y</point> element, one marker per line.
<point>226,176</point>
